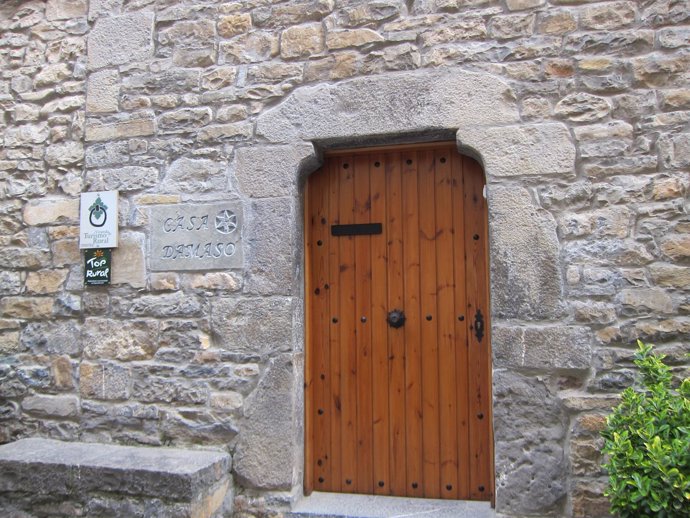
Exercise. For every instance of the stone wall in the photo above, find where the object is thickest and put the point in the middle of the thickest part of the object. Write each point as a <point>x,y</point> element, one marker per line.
<point>578,110</point>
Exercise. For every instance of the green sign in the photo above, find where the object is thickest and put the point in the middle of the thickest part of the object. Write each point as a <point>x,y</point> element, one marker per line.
<point>97,266</point>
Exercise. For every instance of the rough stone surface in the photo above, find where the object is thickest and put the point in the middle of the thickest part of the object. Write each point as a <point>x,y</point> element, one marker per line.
<point>525,256</point>
<point>118,40</point>
<point>102,93</point>
<point>263,458</point>
<point>353,109</point>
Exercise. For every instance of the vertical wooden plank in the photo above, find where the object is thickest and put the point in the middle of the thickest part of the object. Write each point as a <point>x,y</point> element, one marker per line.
<point>333,289</point>
<point>461,323</point>
<point>379,328</point>
<point>413,352</point>
<point>362,214</point>
<point>318,324</point>
<point>346,325</point>
<point>445,298</point>
<point>396,336</point>
<point>308,368</point>
<point>428,292</point>
<point>478,349</point>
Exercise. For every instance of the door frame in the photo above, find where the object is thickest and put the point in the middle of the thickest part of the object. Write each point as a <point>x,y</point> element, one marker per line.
<point>308,485</point>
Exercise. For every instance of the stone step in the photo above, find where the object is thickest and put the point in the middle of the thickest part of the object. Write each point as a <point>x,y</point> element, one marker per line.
<point>336,505</point>
<point>93,479</point>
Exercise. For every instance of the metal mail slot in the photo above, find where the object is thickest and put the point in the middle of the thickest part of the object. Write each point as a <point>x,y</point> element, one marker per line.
<point>361,229</point>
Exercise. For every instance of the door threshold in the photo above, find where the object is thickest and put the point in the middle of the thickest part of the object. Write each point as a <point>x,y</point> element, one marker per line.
<point>346,505</point>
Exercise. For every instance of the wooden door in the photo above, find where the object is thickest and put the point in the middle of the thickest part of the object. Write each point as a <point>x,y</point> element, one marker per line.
<point>391,409</point>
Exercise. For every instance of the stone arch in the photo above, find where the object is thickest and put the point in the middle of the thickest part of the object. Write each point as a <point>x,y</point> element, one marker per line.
<point>482,112</point>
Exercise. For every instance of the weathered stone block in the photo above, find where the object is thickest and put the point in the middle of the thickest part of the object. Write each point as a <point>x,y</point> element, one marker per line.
<point>509,150</point>
<point>608,16</point>
<point>51,406</point>
<point>302,41</point>
<point>427,99</point>
<point>512,26</point>
<point>26,307</point>
<point>184,120</point>
<point>135,125</point>
<point>252,326</point>
<point>530,429</point>
<point>124,178</point>
<point>117,40</point>
<point>218,78</point>
<point>192,33</point>
<point>670,275</point>
<point>525,256</point>
<point>65,9</point>
<point>583,107</point>
<point>63,373</point>
<point>45,281</point>
<point>340,39</point>
<point>176,304</point>
<point>264,459</point>
<point>130,260</point>
<point>272,171</point>
<point>646,299</point>
<point>10,283</point>
<point>52,338</point>
<point>677,247</point>
<point>106,381</point>
<point>67,154</point>
<point>103,91</point>
<point>52,74</point>
<point>553,347</point>
<point>122,340</point>
<point>250,48</point>
<point>235,131</point>
<point>234,25</point>
<point>194,176</point>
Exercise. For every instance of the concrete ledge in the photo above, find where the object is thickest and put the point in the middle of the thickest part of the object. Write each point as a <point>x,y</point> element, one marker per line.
<point>76,471</point>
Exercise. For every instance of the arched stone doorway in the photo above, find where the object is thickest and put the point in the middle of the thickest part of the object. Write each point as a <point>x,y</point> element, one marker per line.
<point>526,280</point>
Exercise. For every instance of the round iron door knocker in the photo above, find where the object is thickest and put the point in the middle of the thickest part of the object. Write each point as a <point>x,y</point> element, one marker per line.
<point>396,318</point>
<point>97,211</point>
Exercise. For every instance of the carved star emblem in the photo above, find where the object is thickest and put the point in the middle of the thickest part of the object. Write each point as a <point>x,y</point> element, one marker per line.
<point>226,221</point>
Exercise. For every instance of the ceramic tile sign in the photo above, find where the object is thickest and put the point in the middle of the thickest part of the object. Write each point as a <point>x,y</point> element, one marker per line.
<point>98,220</point>
<point>97,266</point>
<point>196,236</point>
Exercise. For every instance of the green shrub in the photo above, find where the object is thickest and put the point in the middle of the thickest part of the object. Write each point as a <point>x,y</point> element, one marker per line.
<point>647,441</point>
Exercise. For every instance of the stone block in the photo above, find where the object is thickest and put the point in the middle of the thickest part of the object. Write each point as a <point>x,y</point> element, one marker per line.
<point>552,347</point>
<point>10,283</point>
<point>45,281</point>
<point>129,261</point>
<point>370,12</point>
<point>119,340</point>
<point>234,131</point>
<point>218,78</point>
<point>252,326</point>
<point>583,107</point>
<point>52,74</point>
<point>677,247</point>
<point>189,33</point>
<point>520,5</point>
<point>9,343</point>
<point>234,25</point>
<point>643,300</point>
<point>146,477</point>
<point>530,428</point>
<point>272,171</point>
<point>254,47</point>
<point>51,406</point>
<point>302,41</point>
<point>509,150</point>
<point>428,99</point>
<point>608,16</point>
<point>119,40</point>
<point>26,134</point>
<point>184,120</point>
<point>124,178</point>
<point>223,281</point>
<point>65,252</point>
<point>340,39</point>
<point>26,307</point>
<point>52,338</point>
<point>65,9</point>
<point>63,155</point>
<point>135,125</point>
<point>106,381</point>
<point>176,304</point>
<point>525,264</point>
<point>194,176</point>
<point>670,275</point>
<point>103,92</point>
<point>265,459</point>
<point>63,373</point>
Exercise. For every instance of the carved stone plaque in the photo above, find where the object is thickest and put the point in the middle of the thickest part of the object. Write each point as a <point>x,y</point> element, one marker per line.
<point>196,237</point>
